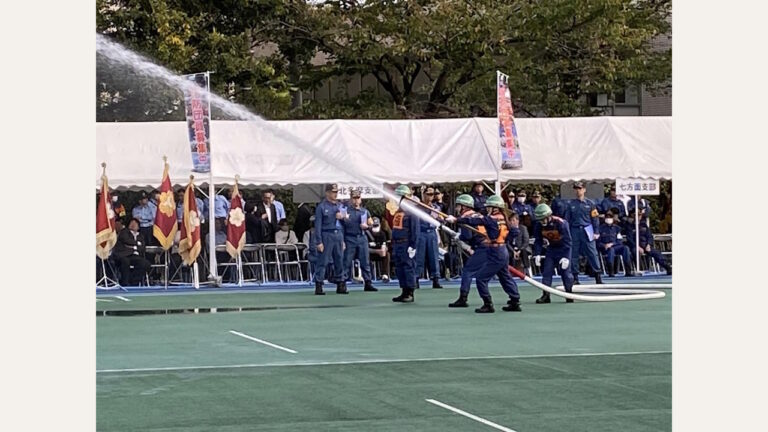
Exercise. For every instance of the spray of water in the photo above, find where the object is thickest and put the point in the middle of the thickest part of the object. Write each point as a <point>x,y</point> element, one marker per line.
<point>119,55</point>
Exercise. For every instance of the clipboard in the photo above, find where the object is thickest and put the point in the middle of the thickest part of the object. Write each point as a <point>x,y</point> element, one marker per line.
<point>590,232</point>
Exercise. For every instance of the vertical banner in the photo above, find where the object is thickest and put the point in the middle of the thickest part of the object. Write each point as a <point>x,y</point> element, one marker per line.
<point>198,121</point>
<point>511,158</point>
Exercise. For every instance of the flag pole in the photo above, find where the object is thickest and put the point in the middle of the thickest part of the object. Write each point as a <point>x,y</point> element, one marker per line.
<point>211,195</point>
<point>104,278</point>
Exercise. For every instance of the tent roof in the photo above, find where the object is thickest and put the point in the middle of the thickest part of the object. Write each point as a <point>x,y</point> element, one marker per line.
<point>390,151</point>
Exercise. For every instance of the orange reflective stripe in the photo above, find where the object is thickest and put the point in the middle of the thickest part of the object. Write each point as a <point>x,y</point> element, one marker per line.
<point>503,230</point>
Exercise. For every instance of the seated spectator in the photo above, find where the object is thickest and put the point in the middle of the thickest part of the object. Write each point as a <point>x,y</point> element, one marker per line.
<point>378,247</point>
<point>130,252</point>
<point>610,244</point>
<point>518,241</point>
<point>285,235</point>
<point>645,248</point>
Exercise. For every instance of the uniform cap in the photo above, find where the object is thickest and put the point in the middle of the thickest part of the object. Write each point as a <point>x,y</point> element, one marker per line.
<point>331,187</point>
<point>578,185</point>
<point>354,193</point>
<point>536,194</point>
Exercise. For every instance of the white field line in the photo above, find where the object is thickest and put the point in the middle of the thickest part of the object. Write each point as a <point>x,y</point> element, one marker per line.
<point>472,416</point>
<point>374,361</point>
<point>262,342</point>
<point>122,298</point>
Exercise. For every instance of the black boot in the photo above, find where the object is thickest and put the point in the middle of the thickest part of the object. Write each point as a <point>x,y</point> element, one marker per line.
<point>569,300</point>
<point>628,272</point>
<point>487,306</point>
<point>513,305</point>
<point>599,277</point>
<point>400,298</point>
<point>369,286</point>
<point>436,282</point>
<point>613,269</point>
<point>461,302</point>
<point>576,279</point>
<point>319,288</point>
<point>408,296</point>
<point>417,283</point>
<point>668,268</point>
<point>341,288</point>
<point>544,298</point>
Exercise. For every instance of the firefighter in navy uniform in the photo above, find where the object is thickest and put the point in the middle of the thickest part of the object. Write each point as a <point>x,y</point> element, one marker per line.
<point>405,240</point>
<point>497,257</point>
<point>427,255</point>
<point>610,245</point>
<point>329,234</point>
<point>465,209</point>
<point>557,233</point>
<point>355,224</point>
<point>582,215</point>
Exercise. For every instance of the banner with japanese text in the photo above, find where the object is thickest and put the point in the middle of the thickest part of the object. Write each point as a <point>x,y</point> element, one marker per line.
<point>196,104</point>
<point>637,186</point>
<point>511,158</point>
<point>366,192</point>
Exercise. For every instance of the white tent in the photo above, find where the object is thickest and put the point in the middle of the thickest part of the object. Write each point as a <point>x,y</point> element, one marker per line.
<point>391,151</point>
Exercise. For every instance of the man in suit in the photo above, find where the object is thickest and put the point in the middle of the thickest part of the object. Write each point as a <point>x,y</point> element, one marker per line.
<point>302,223</point>
<point>261,220</point>
<point>129,251</point>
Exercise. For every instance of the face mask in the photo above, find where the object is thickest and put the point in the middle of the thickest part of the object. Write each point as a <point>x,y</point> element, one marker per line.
<point>376,229</point>
<point>114,199</point>
<point>609,221</point>
<point>284,228</point>
<point>521,200</point>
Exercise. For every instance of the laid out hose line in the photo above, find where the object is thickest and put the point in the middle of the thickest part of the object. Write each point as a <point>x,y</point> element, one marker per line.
<point>620,293</point>
<point>623,294</point>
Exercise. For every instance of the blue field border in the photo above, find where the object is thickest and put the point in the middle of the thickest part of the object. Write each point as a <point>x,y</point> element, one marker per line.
<point>305,286</point>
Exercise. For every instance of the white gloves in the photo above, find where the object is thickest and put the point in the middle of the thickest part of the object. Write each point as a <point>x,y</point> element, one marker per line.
<point>537,260</point>
<point>450,219</point>
<point>565,263</point>
<point>411,252</point>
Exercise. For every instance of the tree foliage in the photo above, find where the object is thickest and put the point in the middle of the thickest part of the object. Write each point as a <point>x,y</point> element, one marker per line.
<point>432,58</point>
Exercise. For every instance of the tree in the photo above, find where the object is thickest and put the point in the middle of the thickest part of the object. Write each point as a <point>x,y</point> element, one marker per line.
<point>438,58</point>
<point>187,37</point>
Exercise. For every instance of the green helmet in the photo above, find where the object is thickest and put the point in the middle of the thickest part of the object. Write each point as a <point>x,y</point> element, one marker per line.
<point>465,200</point>
<point>402,190</point>
<point>495,201</point>
<point>542,211</point>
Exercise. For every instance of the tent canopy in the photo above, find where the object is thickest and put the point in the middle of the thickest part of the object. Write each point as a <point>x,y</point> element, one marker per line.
<point>389,151</point>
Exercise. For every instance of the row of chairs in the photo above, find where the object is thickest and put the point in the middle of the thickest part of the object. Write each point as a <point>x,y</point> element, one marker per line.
<point>260,263</point>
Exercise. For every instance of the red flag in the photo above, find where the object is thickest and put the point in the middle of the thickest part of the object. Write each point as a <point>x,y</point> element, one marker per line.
<point>165,226</point>
<point>105,220</point>
<point>189,244</point>
<point>235,224</point>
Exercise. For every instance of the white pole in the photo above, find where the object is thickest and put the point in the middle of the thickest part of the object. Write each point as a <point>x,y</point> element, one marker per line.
<point>195,281</point>
<point>637,236</point>
<point>211,194</point>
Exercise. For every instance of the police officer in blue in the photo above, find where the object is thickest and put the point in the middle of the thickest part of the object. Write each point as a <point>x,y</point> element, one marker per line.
<point>610,244</point>
<point>582,216</point>
<point>427,254</point>
<point>329,232</point>
<point>613,202</point>
<point>522,209</point>
<point>356,223</point>
<point>145,213</point>
<point>558,253</point>
<point>479,197</point>
<point>646,244</point>
<point>465,209</point>
<point>405,240</point>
